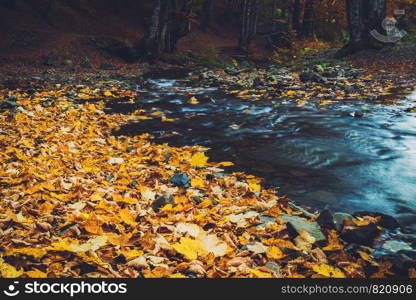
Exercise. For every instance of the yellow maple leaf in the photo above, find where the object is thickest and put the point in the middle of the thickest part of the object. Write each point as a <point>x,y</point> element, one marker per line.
<point>367,257</point>
<point>62,197</point>
<point>254,184</point>
<point>35,252</point>
<point>328,271</point>
<point>72,245</point>
<point>274,253</point>
<point>199,160</point>
<point>8,271</point>
<point>261,274</point>
<point>201,246</point>
<point>36,274</point>
<point>130,254</point>
<point>334,244</point>
<point>225,164</point>
<point>198,183</point>
<point>193,101</point>
<point>189,248</point>
<point>93,224</point>
<point>96,197</point>
<point>178,275</point>
<point>128,217</point>
<point>120,239</point>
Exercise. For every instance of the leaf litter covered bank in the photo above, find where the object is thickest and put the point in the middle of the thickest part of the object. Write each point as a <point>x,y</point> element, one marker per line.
<point>78,202</point>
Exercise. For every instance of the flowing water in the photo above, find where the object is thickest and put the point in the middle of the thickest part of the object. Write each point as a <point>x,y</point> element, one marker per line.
<point>349,156</point>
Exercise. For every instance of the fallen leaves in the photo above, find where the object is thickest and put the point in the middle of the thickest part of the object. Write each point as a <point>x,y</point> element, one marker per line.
<point>201,243</point>
<point>199,160</point>
<point>8,271</point>
<point>328,271</point>
<point>76,197</point>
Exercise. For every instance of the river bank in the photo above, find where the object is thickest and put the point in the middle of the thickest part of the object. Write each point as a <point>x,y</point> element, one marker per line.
<point>83,198</point>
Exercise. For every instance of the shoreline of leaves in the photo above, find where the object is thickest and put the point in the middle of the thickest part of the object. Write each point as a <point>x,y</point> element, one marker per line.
<point>78,202</point>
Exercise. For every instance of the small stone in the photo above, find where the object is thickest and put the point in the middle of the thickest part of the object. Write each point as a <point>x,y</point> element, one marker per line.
<point>296,225</point>
<point>386,221</point>
<point>161,201</point>
<point>35,77</point>
<point>326,219</point>
<point>275,268</point>
<point>339,218</point>
<point>85,63</point>
<point>363,235</point>
<point>108,67</point>
<point>396,246</point>
<point>68,64</point>
<point>181,180</point>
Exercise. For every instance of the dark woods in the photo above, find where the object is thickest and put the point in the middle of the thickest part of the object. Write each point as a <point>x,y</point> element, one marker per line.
<point>171,20</point>
<point>165,22</point>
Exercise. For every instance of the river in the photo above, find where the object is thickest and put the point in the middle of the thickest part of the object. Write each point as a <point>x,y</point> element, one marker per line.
<point>349,156</point>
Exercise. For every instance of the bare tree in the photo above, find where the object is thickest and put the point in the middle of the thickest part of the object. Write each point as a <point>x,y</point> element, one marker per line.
<point>364,16</point>
<point>249,23</point>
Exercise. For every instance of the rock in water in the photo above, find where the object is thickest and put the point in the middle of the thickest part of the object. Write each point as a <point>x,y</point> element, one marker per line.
<point>363,235</point>
<point>386,221</point>
<point>108,67</point>
<point>295,225</point>
<point>339,218</point>
<point>326,219</point>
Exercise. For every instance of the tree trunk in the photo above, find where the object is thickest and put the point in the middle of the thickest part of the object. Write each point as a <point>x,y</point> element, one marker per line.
<point>364,16</point>
<point>274,16</point>
<point>206,14</point>
<point>168,25</point>
<point>249,23</point>
<point>296,16</point>
<point>309,19</point>
<point>155,39</point>
<point>49,9</point>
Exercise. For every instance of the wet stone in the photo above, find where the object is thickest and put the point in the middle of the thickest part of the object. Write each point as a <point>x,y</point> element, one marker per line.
<point>326,219</point>
<point>339,218</point>
<point>386,221</point>
<point>274,267</point>
<point>296,225</point>
<point>363,235</point>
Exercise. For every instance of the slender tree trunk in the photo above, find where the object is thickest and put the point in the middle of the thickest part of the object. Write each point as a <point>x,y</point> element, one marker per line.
<point>296,16</point>
<point>206,15</point>
<point>155,39</point>
<point>168,24</point>
<point>364,16</point>
<point>50,9</point>
<point>274,16</point>
<point>249,23</point>
<point>309,19</point>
